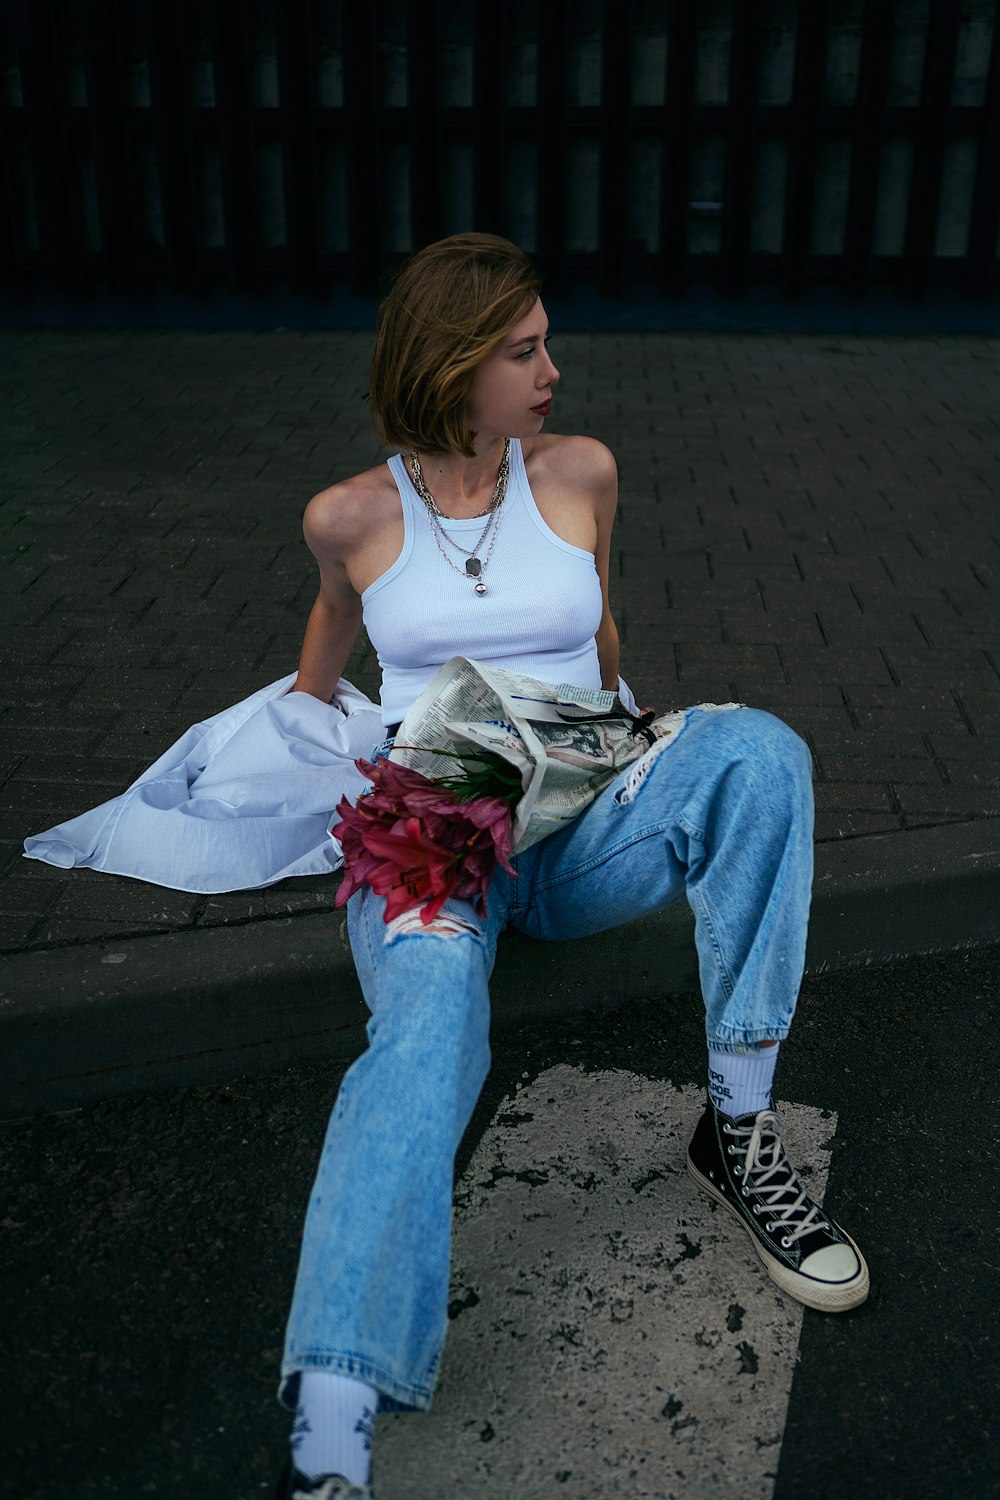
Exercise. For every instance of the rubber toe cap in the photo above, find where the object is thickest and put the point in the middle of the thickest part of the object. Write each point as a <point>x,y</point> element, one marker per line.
<point>832,1263</point>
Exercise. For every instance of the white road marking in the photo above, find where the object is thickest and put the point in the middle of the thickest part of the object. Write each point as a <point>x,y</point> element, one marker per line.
<point>616,1336</point>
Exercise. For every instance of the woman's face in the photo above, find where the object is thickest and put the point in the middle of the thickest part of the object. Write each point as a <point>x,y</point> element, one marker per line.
<point>512,390</point>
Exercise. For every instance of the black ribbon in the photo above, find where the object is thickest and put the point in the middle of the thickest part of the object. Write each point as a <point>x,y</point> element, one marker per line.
<point>641,725</point>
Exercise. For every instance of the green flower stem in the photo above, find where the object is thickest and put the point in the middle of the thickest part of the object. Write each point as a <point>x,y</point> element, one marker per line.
<point>495,777</point>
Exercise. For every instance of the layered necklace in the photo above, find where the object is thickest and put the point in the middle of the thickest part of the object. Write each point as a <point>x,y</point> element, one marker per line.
<point>475,566</point>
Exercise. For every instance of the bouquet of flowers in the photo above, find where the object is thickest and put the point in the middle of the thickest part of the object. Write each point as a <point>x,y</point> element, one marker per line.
<point>419,839</point>
<point>529,757</point>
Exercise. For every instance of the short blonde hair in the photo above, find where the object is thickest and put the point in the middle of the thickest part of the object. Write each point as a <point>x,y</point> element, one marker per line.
<point>451,306</point>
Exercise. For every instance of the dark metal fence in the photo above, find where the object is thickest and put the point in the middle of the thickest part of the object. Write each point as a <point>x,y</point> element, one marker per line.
<point>256,146</point>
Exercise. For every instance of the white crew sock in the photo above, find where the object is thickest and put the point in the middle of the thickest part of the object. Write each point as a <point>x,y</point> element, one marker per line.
<point>332,1431</point>
<point>739,1083</point>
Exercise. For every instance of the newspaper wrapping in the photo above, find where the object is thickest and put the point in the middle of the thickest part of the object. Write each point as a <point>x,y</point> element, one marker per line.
<point>567,743</point>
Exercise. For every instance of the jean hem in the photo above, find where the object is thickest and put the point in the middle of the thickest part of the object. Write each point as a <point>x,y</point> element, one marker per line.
<point>748,1040</point>
<point>394,1395</point>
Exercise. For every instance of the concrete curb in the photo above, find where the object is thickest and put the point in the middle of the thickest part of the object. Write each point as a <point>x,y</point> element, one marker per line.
<point>78,1024</point>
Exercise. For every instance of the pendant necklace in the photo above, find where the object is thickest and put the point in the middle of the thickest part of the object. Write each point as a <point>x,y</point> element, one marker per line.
<point>475,566</point>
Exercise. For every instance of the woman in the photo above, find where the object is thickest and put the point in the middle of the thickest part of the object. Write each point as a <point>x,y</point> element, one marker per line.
<point>491,539</point>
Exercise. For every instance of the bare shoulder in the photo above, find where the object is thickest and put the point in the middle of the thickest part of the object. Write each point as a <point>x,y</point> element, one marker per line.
<point>585,463</point>
<point>342,515</point>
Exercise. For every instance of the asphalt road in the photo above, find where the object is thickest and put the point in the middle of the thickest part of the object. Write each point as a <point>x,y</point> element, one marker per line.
<point>149,1247</point>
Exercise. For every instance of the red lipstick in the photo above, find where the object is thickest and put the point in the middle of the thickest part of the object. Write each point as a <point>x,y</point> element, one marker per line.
<point>544,409</point>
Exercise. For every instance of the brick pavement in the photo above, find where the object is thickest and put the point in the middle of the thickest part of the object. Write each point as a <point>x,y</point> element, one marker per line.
<point>808,524</point>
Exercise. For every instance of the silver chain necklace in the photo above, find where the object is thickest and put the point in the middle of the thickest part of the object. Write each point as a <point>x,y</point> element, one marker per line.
<point>475,566</point>
<point>500,489</point>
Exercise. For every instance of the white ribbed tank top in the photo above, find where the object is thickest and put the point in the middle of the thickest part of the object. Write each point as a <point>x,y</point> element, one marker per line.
<point>539,614</point>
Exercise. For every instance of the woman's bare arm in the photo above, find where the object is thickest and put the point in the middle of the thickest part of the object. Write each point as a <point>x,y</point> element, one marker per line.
<point>335,618</point>
<point>581,477</point>
<point>608,648</point>
<point>599,478</point>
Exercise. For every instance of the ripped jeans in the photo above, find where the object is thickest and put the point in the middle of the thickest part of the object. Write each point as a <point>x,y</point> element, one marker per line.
<point>724,816</point>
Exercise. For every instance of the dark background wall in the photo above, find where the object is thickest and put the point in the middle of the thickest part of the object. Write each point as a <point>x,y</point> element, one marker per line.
<point>156,150</point>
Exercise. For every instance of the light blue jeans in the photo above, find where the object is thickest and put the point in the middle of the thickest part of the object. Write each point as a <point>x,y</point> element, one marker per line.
<point>725,817</point>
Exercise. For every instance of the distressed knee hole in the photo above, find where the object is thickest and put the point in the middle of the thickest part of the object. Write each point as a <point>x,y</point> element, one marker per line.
<point>408,924</point>
<point>640,769</point>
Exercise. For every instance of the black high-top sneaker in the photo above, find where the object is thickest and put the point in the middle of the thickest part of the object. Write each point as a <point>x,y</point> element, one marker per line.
<point>742,1164</point>
<point>295,1486</point>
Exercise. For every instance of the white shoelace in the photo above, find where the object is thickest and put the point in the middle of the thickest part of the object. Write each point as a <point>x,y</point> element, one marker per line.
<point>335,1489</point>
<point>768,1173</point>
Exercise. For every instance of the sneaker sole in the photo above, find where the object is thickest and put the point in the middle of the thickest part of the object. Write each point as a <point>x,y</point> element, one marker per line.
<point>824,1296</point>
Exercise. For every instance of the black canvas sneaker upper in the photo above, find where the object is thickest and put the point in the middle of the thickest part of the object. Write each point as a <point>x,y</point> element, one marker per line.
<point>742,1163</point>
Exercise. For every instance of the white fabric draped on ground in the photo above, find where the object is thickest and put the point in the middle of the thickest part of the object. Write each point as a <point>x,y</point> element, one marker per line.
<point>240,801</point>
